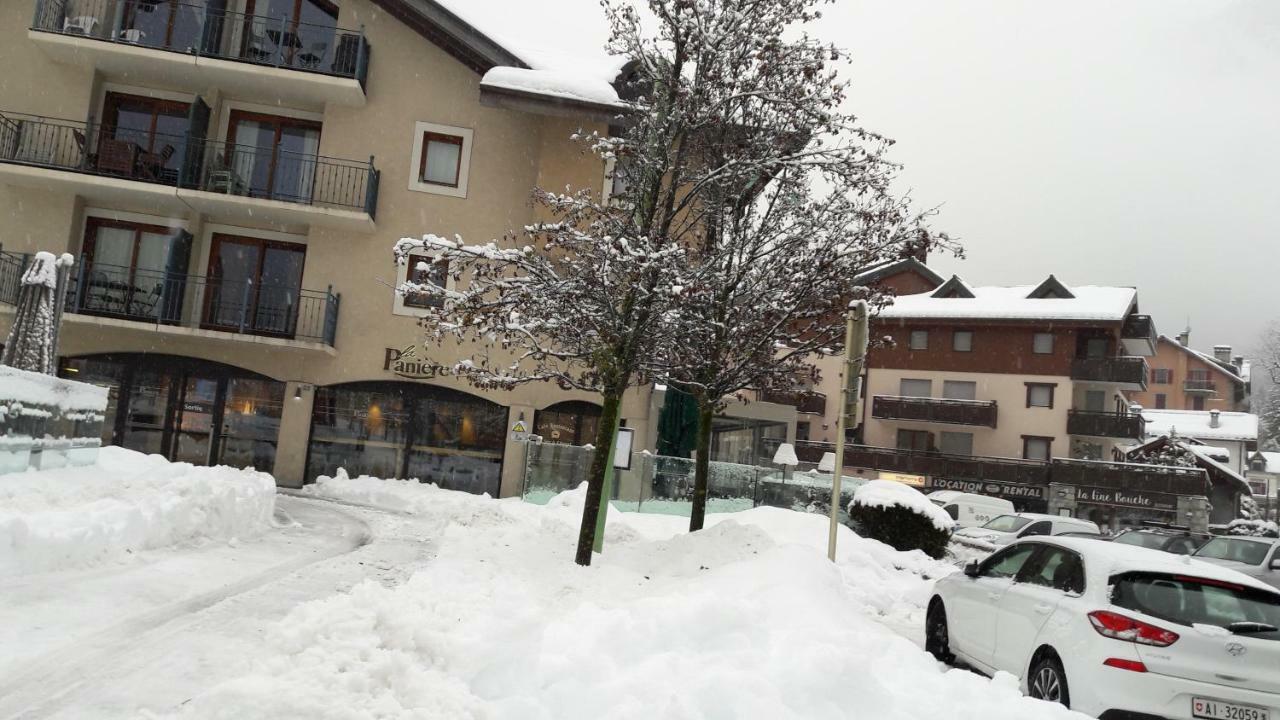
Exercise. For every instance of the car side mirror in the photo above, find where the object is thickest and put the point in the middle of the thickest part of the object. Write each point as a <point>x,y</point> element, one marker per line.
<point>971,570</point>
<point>1275,564</point>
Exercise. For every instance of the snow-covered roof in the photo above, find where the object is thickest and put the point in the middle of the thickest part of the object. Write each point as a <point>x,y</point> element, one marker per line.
<point>1272,459</point>
<point>560,84</point>
<point>892,267</point>
<point>1238,426</point>
<point>1090,303</point>
<point>560,42</point>
<point>1208,359</point>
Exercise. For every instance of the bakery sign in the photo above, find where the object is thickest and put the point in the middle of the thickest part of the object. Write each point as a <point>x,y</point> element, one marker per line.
<point>1127,498</point>
<point>408,363</point>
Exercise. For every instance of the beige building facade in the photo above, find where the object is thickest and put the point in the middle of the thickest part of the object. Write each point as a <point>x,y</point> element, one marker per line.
<point>231,183</point>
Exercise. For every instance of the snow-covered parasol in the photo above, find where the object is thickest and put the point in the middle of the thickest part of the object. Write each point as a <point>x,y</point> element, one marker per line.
<point>33,338</point>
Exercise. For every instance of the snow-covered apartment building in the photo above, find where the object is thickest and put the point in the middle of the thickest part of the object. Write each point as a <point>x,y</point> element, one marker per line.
<point>231,176</point>
<point>1015,391</point>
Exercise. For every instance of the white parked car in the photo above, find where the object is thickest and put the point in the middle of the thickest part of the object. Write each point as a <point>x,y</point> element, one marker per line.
<point>1254,556</point>
<point>1115,631</point>
<point>971,509</point>
<point>1007,528</point>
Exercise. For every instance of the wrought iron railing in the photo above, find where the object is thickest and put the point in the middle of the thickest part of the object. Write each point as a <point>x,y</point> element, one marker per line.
<point>1125,370</point>
<point>270,173</point>
<point>936,410</point>
<point>236,306</point>
<point>12,265</point>
<point>1199,386</point>
<point>200,29</point>
<point>1105,424</point>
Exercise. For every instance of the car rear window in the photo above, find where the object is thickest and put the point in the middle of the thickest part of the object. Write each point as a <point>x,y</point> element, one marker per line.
<point>1249,552</point>
<point>1188,600</point>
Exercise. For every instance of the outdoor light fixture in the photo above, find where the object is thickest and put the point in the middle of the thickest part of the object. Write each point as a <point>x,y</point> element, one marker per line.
<point>297,393</point>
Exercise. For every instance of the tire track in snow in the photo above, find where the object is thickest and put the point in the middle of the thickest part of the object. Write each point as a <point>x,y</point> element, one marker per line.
<point>52,676</point>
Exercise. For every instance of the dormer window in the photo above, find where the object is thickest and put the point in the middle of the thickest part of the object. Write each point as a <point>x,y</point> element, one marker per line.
<point>953,288</point>
<point>1050,289</point>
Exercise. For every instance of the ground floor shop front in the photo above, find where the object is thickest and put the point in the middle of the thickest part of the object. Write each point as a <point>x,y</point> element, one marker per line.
<point>215,412</point>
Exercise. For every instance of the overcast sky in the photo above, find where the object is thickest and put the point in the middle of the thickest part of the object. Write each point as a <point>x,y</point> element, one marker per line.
<point>1115,143</point>
<point>1110,142</point>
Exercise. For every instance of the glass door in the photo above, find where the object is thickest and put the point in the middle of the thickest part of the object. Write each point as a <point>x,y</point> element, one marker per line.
<point>194,417</point>
<point>142,138</point>
<point>134,271</point>
<point>146,413</point>
<point>254,284</point>
<point>275,157</point>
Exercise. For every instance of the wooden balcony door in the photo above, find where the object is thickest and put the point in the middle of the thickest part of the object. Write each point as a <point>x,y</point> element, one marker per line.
<point>254,284</point>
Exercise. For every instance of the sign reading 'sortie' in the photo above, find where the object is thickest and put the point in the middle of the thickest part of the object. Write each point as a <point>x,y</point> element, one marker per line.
<point>406,363</point>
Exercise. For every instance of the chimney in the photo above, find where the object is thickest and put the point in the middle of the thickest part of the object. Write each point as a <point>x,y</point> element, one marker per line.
<point>1238,361</point>
<point>1215,418</point>
<point>1222,353</point>
<point>1184,337</point>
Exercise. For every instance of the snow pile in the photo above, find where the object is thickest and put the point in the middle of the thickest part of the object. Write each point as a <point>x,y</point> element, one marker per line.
<point>128,502</point>
<point>33,388</point>
<point>888,493</point>
<point>1253,528</point>
<point>555,83</point>
<point>746,619</point>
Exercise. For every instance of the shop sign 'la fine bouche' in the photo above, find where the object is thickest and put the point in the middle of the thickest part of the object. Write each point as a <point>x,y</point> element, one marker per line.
<point>407,363</point>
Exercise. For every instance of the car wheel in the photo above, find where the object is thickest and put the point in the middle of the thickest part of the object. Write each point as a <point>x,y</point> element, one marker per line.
<point>937,640</point>
<point>1049,682</point>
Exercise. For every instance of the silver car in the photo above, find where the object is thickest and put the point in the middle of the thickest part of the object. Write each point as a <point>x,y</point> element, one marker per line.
<point>1254,556</point>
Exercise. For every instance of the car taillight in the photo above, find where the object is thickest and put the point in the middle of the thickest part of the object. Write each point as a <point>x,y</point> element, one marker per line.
<point>1134,665</point>
<point>1120,627</point>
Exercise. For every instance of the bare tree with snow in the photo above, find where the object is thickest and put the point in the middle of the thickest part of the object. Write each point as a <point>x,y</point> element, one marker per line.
<point>792,201</point>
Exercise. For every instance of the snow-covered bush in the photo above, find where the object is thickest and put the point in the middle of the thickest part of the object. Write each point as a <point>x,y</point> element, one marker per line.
<point>1253,528</point>
<point>900,516</point>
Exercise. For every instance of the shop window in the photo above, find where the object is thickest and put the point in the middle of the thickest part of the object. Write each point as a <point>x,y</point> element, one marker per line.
<point>441,159</point>
<point>1042,343</point>
<point>409,430</point>
<point>570,423</point>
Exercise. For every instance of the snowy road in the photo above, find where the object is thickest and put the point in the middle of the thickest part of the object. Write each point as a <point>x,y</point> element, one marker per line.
<point>107,642</point>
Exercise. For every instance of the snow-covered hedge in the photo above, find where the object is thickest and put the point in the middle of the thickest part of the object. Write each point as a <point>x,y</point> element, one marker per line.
<point>900,516</point>
<point>1253,528</point>
<point>127,502</point>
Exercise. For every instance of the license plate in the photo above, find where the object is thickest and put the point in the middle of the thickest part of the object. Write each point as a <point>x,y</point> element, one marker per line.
<point>1218,710</point>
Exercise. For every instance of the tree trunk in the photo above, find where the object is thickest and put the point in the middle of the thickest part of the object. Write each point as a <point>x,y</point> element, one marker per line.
<point>701,466</point>
<point>595,482</point>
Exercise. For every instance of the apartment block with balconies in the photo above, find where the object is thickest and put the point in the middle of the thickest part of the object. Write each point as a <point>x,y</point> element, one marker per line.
<point>1182,378</point>
<point>231,174</point>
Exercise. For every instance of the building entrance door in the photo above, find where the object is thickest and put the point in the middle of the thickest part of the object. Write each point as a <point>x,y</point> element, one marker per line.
<point>197,413</point>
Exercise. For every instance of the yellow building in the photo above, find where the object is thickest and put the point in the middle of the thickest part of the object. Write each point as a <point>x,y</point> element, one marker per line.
<point>231,175</point>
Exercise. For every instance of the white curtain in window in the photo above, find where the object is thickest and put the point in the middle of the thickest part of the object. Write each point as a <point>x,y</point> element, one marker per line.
<point>442,162</point>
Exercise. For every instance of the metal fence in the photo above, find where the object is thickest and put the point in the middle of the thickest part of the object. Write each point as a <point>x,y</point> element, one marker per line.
<point>271,173</point>
<point>201,29</point>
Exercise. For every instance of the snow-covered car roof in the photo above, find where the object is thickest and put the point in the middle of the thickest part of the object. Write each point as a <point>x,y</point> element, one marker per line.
<point>1103,560</point>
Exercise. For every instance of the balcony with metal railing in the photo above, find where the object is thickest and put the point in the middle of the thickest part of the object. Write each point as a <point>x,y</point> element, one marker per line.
<point>1138,335</point>
<point>197,45</point>
<point>172,300</point>
<point>1199,386</point>
<point>224,180</point>
<point>1105,424</point>
<point>804,401</point>
<point>935,410</point>
<point>1130,373</point>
